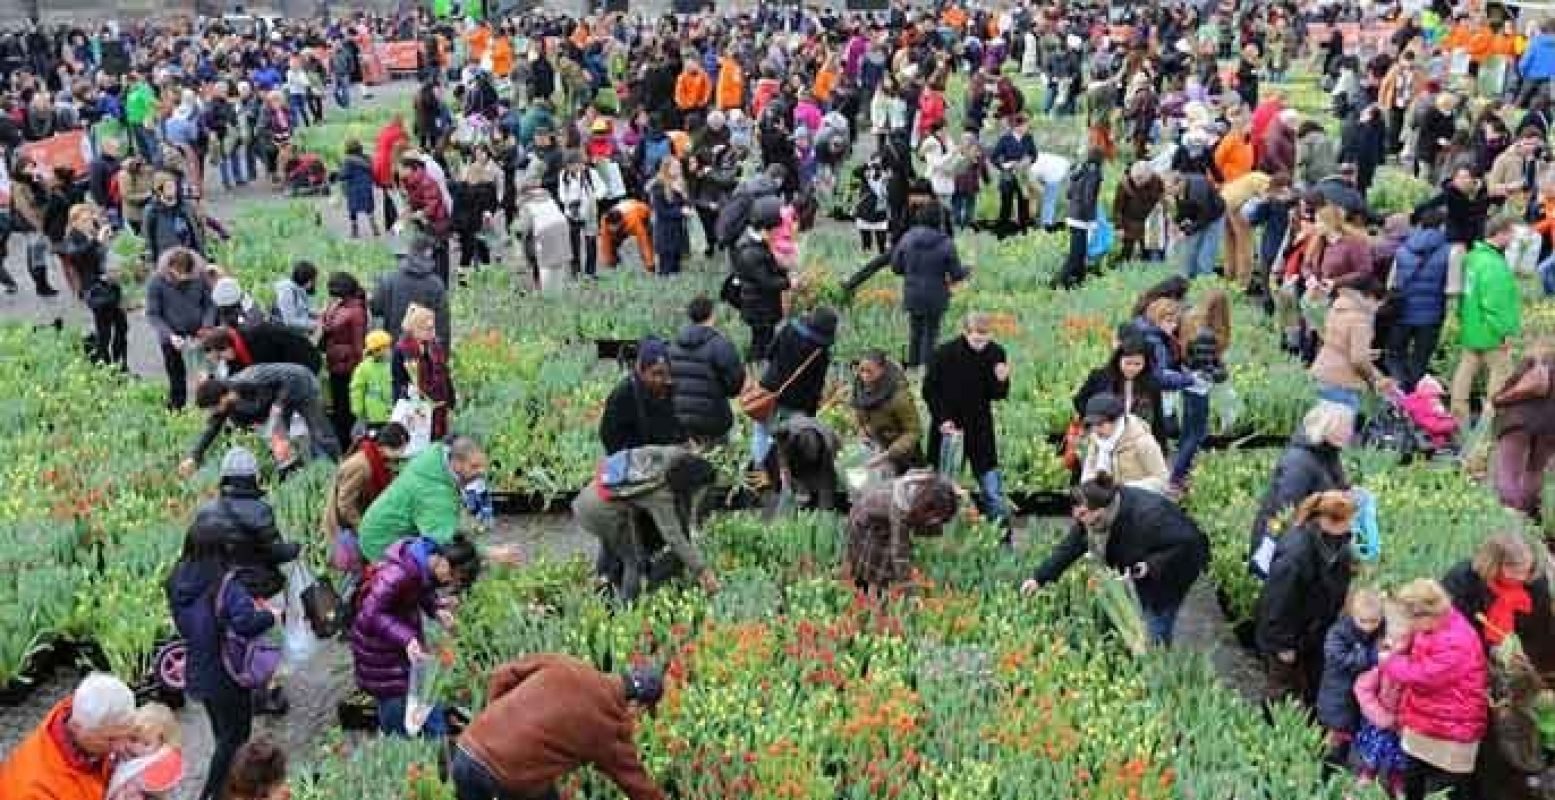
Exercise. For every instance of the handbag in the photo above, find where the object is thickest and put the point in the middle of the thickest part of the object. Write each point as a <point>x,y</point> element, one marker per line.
<point>323,607</point>
<point>1071,446</point>
<point>758,402</point>
<point>250,663</point>
<point>1536,383</point>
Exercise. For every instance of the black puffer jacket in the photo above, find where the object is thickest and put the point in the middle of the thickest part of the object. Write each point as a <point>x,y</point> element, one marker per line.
<point>1304,469</point>
<point>762,282</point>
<point>246,522</point>
<point>1148,528</point>
<point>1308,581</point>
<point>707,372</point>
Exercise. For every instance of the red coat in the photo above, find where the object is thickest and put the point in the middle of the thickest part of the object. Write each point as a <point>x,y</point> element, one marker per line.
<point>422,194</point>
<point>1445,677</point>
<point>345,328</point>
<point>390,137</point>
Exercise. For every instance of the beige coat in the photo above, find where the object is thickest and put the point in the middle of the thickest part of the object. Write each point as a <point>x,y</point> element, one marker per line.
<point>1345,358</point>
<point>1136,462</point>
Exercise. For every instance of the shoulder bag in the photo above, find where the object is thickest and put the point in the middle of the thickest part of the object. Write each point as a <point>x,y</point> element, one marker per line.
<point>758,402</point>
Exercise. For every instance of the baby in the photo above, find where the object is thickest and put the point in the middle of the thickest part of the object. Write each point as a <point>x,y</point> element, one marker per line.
<point>153,763</point>
<point>1425,408</point>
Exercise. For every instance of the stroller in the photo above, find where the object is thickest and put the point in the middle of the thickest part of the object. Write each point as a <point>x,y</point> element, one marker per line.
<point>1392,429</point>
<point>307,176</point>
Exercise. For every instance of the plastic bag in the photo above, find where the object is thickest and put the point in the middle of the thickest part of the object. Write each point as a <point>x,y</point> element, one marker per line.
<point>1100,241</point>
<point>421,700</point>
<point>854,464</point>
<point>1226,406</point>
<point>1367,535</point>
<point>301,643</point>
<point>952,449</point>
<point>416,416</point>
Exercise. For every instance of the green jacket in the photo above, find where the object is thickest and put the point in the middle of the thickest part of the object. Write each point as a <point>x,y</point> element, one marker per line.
<point>140,105</point>
<point>372,391</point>
<point>422,501</point>
<point>1491,309</point>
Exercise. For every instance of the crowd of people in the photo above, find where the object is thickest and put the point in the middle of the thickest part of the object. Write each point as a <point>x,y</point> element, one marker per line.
<point>581,140</point>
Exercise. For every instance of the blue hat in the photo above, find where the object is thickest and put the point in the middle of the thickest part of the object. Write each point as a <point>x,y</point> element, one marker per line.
<point>644,685</point>
<point>652,350</point>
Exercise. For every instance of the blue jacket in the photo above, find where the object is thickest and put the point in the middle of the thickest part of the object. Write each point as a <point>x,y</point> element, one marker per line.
<point>1420,277</point>
<point>1012,148</point>
<point>1538,61</point>
<point>927,261</point>
<point>356,182</point>
<point>1347,652</point>
<point>191,594</point>
<point>1169,374</point>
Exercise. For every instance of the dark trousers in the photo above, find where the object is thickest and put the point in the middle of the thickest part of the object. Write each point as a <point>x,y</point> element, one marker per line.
<point>340,406</point>
<point>472,781</point>
<point>1298,680</point>
<point>1012,200</point>
<point>473,249</point>
<point>112,328</point>
<point>440,260</point>
<point>708,217</point>
<point>585,250</point>
<point>1074,266</point>
<point>879,241</point>
<point>177,377</point>
<point>922,335</point>
<point>1409,352</point>
<point>1422,780</point>
<point>390,214</point>
<point>761,342</point>
<point>232,721</point>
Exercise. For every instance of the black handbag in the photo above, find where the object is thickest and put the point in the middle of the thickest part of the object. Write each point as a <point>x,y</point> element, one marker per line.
<point>325,610</point>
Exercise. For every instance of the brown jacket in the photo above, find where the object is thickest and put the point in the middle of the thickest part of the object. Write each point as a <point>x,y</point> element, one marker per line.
<point>894,426</point>
<point>1345,358</point>
<point>347,496</point>
<point>545,716</point>
<point>1526,402</point>
<point>1132,204</point>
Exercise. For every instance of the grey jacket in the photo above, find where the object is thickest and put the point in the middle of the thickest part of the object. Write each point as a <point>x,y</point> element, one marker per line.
<point>179,307</point>
<point>293,307</point>
<point>416,282</point>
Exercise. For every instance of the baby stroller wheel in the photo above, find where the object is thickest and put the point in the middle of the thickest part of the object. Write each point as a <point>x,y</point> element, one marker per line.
<point>169,663</point>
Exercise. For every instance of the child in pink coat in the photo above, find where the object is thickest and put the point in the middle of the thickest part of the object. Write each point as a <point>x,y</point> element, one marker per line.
<point>1426,410</point>
<point>1378,753</point>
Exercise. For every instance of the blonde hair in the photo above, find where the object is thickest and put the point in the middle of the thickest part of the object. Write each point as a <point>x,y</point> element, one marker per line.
<point>418,316</point>
<point>1498,551</point>
<point>1326,420</point>
<point>1335,505</point>
<point>159,719</point>
<point>1212,312</point>
<point>978,321</point>
<point>1160,308</point>
<point>1364,599</point>
<point>1424,599</point>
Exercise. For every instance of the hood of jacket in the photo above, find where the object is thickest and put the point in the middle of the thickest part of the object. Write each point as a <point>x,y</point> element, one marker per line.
<point>1425,241</point>
<point>867,397</point>
<point>693,337</point>
<point>417,264</point>
<point>166,271</point>
<point>923,239</point>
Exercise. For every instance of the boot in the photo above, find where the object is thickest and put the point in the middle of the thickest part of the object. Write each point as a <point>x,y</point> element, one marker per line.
<point>40,281</point>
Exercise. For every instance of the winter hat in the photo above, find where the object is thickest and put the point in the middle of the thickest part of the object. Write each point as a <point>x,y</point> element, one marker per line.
<point>1429,386</point>
<point>652,350</point>
<point>1103,407</point>
<point>227,292</point>
<point>239,462</point>
<point>823,321</point>
<point>377,342</point>
<point>644,685</point>
<point>599,126</point>
<point>715,120</point>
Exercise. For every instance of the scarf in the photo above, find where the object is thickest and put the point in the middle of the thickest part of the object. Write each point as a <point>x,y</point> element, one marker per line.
<point>240,350</point>
<point>1104,450</point>
<point>867,397</point>
<point>1507,600</point>
<point>378,469</point>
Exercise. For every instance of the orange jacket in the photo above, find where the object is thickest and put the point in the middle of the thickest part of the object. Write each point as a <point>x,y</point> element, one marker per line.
<point>502,56</point>
<point>954,18</point>
<point>38,768</point>
<point>1546,225</point>
<point>731,83</point>
<point>1234,157</point>
<point>693,89</point>
<point>825,82</point>
<point>478,40</point>
<point>634,224</point>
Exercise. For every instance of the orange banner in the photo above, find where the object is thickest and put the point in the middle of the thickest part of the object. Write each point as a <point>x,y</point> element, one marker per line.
<point>373,72</point>
<point>399,56</point>
<point>60,150</point>
<point>1376,34</point>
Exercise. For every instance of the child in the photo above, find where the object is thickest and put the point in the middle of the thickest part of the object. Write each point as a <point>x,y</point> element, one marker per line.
<point>105,297</point>
<point>356,182</point>
<point>372,386</point>
<point>156,763</point>
<point>969,181</point>
<point>871,215</point>
<point>741,131</point>
<point>1349,649</point>
<point>1379,754</point>
<point>1425,408</point>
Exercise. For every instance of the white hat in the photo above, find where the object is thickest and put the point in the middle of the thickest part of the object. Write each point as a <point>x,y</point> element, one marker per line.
<point>227,292</point>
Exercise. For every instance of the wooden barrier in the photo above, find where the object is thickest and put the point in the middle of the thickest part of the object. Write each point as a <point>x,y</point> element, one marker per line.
<point>1376,35</point>
<point>400,56</point>
<point>59,150</point>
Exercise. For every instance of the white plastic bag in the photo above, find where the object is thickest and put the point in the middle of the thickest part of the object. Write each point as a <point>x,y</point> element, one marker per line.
<point>419,703</point>
<point>1226,407</point>
<point>300,641</point>
<point>416,416</point>
<point>1522,255</point>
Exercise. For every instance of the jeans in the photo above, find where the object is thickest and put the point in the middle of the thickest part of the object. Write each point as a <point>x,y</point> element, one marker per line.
<point>342,89</point>
<point>991,501</point>
<point>391,719</point>
<point>1160,622</point>
<point>962,206</point>
<point>472,781</point>
<point>1350,398</point>
<point>922,334</point>
<point>1547,276</point>
<point>1200,250</point>
<point>231,713</point>
<point>1409,352</point>
<point>177,377</point>
<point>298,104</point>
<point>1195,428</point>
<point>1051,191</point>
<point>145,144</point>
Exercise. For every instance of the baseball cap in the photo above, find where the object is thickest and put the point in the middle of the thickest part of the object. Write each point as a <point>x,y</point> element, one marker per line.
<point>1104,407</point>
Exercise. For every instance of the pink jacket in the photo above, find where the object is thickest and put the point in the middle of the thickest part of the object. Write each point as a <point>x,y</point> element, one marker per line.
<point>1444,678</point>
<point>1378,699</point>
<point>1424,410</point>
<point>784,239</point>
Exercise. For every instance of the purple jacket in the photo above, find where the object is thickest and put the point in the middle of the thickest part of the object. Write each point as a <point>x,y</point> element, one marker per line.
<point>399,591</point>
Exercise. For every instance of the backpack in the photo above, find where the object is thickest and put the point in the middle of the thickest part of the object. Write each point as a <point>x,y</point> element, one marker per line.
<point>632,473</point>
<point>653,152</point>
<point>732,218</point>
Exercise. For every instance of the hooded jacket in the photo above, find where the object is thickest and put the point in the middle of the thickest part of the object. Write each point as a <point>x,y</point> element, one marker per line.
<point>1491,310</point>
<point>1137,459</point>
<point>242,518</point>
<point>927,261</point>
<point>42,766</point>
<point>191,594</point>
<point>762,282</point>
<point>546,715</point>
<point>888,417</point>
<point>1304,469</point>
<point>1420,277</point>
<point>1146,528</point>
<point>180,306</point>
<point>168,225</point>
<point>397,593</point>
<point>423,500</point>
<point>633,417</point>
<point>416,282</point>
<point>707,372</point>
<point>792,345</point>
<point>1444,676</point>
<point>1347,652</point>
<point>1309,579</point>
<point>1133,202</point>
<point>1345,357</point>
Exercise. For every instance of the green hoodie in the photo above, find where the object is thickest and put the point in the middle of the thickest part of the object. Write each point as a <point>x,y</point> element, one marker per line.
<point>1491,310</point>
<point>372,391</point>
<point>140,105</point>
<point>422,501</point>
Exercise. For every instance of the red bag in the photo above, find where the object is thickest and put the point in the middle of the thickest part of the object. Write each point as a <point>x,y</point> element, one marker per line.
<point>1072,435</point>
